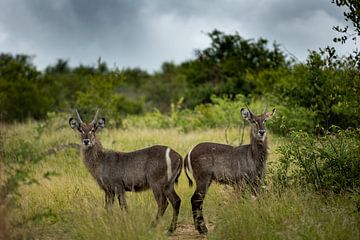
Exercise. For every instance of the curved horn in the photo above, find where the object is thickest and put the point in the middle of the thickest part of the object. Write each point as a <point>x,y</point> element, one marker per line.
<point>265,108</point>
<point>96,116</point>
<point>249,110</point>
<point>78,115</point>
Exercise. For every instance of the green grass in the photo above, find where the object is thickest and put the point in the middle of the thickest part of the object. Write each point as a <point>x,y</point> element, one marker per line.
<point>291,215</point>
<point>70,205</point>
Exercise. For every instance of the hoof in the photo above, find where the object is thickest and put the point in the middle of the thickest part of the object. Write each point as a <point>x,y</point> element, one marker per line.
<point>153,224</point>
<point>170,231</point>
<point>172,228</point>
<point>202,229</point>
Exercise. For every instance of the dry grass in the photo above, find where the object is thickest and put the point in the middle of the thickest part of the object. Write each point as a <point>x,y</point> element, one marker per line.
<point>70,205</point>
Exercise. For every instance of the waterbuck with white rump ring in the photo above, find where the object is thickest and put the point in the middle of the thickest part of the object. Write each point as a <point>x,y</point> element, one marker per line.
<point>237,166</point>
<point>156,168</point>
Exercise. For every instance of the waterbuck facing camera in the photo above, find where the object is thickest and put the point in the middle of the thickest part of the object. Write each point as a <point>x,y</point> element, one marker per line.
<point>156,168</point>
<point>227,164</point>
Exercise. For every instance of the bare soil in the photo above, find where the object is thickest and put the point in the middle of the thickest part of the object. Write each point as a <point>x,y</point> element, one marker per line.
<point>188,232</point>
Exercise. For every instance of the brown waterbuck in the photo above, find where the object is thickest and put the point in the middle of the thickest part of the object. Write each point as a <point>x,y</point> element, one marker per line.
<point>156,168</point>
<point>227,164</point>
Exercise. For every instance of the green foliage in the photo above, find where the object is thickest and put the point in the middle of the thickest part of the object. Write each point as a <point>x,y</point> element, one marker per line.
<point>352,15</point>
<point>330,162</point>
<point>21,94</point>
<point>165,87</point>
<point>196,94</point>
<point>64,82</point>
<point>221,69</point>
<point>101,93</point>
<point>16,155</point>
<point>323,95</point>
<point>222,112</point>
<point>290,119</point>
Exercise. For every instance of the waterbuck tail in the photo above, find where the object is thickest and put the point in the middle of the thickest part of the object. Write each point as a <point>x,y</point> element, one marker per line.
<point>175,175</point>
<point>186,168</point>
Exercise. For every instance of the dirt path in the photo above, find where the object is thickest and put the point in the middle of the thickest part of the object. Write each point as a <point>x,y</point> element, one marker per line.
<point>188,232</point>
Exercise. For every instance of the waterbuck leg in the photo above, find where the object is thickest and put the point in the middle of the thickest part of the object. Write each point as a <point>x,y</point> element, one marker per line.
<point>255,187</point>
<point>161,202</point>
<point>122,201</point>
<point>175,202</point>
<point>109,198</point>
<point>197,201</point>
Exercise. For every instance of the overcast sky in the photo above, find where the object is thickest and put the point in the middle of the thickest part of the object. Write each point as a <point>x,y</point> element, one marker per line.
<point>145,33</point>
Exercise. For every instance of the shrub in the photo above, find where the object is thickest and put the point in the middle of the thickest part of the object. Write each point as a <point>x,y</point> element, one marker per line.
<point>222,112</point>
<point>101,93</point>
<point>289,119</point>
<point>330,162</point>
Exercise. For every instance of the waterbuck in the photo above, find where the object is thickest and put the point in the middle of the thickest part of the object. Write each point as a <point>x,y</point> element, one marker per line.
<point>157,167</point>
<point>227,164</point>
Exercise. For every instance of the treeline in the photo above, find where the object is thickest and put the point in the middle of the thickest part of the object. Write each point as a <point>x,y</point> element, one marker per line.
<point>322,92</point>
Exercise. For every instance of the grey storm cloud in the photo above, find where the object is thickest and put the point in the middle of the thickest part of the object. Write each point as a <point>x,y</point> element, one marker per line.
<point>145,33</point>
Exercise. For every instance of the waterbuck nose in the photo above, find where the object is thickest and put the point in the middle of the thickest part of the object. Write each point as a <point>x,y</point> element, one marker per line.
<point>261,132</point>
<point>86,141</point>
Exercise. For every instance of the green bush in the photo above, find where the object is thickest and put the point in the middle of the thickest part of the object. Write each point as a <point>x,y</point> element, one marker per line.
<point>289,119</point>
<point>330,162</point>
<point>21,93</point>
<point>102,93</point>
<point>222,112</point>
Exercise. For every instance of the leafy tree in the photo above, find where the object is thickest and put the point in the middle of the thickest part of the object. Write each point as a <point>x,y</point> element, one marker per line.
<point>222,68</point>
<point>21,92</point>
<point>165,87</point>
<point>352,16</point>
<point>63,82</point>
<point>61,66</point>
<point>102,93</point>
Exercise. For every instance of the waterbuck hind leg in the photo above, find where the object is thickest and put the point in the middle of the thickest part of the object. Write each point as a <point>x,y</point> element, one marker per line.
<point>197,202</point>
<point>161,202</point>
<point>175,202</point>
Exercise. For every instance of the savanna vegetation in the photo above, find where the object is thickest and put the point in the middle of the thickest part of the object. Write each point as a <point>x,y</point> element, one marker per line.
<point>312,186</point>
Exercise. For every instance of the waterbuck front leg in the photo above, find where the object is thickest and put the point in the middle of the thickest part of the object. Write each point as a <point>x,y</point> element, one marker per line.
<point>121,197</point>
<point>256,187</point>
<point>122,201</point>
<point>202,185</point>
<point>175,202</point>
<point>247,185</point>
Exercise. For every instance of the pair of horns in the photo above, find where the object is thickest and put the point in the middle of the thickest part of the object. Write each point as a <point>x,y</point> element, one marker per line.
<point>265,109</point>
<point>93,121</point>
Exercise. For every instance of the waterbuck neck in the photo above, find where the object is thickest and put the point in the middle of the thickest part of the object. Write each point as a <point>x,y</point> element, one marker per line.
<point>259,148</point>
<point>92,156</point>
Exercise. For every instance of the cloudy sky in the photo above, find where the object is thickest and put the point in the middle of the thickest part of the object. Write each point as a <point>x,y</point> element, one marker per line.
<point>145,33</point>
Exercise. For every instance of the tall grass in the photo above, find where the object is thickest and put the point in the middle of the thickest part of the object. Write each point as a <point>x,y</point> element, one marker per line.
<point>291,215</point>
<point>70,204</point>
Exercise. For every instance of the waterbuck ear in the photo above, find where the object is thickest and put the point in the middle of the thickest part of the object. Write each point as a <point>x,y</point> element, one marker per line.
<point>269,115</point>
<point>74,124</point>
<point>100,123</point>
<point>246,114</point>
